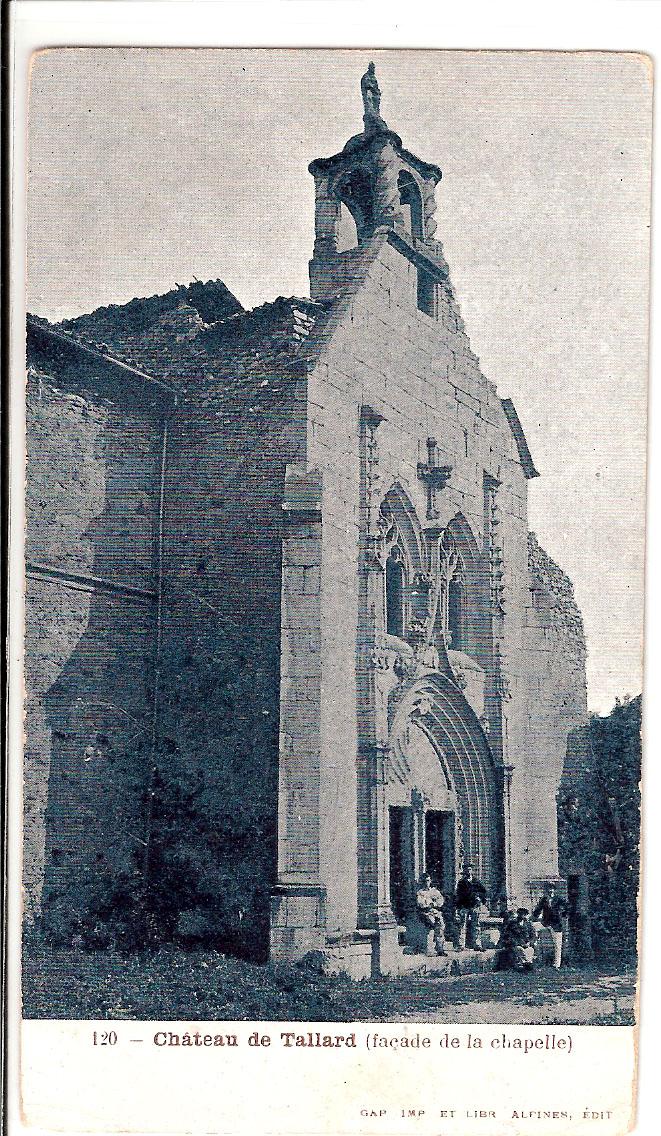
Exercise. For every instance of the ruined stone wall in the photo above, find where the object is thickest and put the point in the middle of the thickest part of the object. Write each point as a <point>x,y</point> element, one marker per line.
<point>91,525</point>
<point>556,655</point>
<point>231,441</point>
<point>239,422</point>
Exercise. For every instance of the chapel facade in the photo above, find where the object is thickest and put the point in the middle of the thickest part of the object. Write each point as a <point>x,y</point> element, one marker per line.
<point>324,507</point>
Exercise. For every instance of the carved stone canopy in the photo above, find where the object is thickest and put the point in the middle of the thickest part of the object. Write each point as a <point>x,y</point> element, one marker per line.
<point>434,476</point>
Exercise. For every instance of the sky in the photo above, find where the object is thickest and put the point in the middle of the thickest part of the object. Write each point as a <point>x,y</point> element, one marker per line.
<point>153,167</point>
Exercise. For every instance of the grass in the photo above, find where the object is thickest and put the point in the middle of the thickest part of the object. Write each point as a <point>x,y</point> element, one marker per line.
<point>170,984</point>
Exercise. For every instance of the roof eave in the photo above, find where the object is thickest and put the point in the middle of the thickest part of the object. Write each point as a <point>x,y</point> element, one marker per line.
<point>525,456</point>
<point>37,328</point>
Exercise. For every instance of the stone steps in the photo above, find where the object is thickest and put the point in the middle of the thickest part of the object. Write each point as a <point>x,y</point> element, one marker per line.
<point>454,964</point>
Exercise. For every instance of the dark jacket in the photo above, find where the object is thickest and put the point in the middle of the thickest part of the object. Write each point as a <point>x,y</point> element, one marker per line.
<point>517,933</point>
<point>551,912</point>
<point>470,893</point>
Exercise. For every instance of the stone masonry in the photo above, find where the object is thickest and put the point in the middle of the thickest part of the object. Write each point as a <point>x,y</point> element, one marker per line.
<point>356,662</point>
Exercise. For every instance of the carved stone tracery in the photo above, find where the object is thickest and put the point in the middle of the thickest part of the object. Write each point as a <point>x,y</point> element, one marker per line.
<point>378,526</point>
<point>451,568</point>
<point>435,560</point>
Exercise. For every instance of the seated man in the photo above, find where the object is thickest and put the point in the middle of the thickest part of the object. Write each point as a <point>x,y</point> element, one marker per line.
<point>429,902</point>
<point>516,950</point>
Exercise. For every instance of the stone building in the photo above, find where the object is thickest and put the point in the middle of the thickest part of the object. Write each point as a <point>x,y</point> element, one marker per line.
<point>286,553</point>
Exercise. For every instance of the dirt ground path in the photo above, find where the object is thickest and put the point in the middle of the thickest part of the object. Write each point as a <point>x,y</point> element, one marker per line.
<point>544,997</point>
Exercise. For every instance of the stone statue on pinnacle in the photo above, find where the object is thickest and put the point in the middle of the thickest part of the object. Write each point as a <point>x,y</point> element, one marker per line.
<point>371,93</point>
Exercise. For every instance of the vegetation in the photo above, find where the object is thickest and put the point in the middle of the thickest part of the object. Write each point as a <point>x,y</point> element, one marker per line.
<point>202,877</point>
<point>176,985</point>
<point>599,827</point>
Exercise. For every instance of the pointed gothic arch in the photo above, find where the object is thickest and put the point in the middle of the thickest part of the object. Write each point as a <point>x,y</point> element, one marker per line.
<point>404,558</point>
<point>397,505</point>
<point>464,538</point>
<point>437,707</point>
<point>464,600</point>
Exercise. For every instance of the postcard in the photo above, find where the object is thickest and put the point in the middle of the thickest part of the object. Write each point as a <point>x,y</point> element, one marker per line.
<point>335,402</point>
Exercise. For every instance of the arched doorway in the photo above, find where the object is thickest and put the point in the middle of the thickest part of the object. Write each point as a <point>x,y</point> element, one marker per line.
<point>422,818</point>
<point>442,795</point>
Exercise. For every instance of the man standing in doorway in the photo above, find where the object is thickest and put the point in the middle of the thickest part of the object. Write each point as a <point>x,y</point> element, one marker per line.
<point>550,912</point>
<point>468,900</point>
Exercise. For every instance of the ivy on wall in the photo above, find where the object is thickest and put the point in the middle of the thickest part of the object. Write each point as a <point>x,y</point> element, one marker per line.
<point>203,873</point>
<point>212,834</point>
<point>599,826</point>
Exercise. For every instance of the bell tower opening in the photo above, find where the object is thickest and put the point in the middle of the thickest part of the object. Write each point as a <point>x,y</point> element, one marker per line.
<point>355,192</point>
<point>386,189</point>
<point>411,203</point>
<point>347,237</point>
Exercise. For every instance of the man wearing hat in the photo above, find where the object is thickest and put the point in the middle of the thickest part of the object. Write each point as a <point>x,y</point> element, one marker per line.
<point>550,912</point>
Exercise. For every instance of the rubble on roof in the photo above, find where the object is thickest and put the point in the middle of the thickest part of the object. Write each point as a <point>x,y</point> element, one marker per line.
<point>200,332</point>
<point>211,301</point>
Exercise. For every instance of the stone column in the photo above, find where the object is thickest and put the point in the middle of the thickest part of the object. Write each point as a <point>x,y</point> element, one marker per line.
<point>429,207</point>
<point>375,680</point>
<point>419,849</point>
<point>327,209</point>
<point>387,207</point>
<point>298,900</point>
<point>508,771</point>
<point>383,914</point>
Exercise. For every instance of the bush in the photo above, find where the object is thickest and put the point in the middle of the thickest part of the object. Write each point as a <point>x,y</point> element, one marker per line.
<point>209,814</point>
<point>599,828</point>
